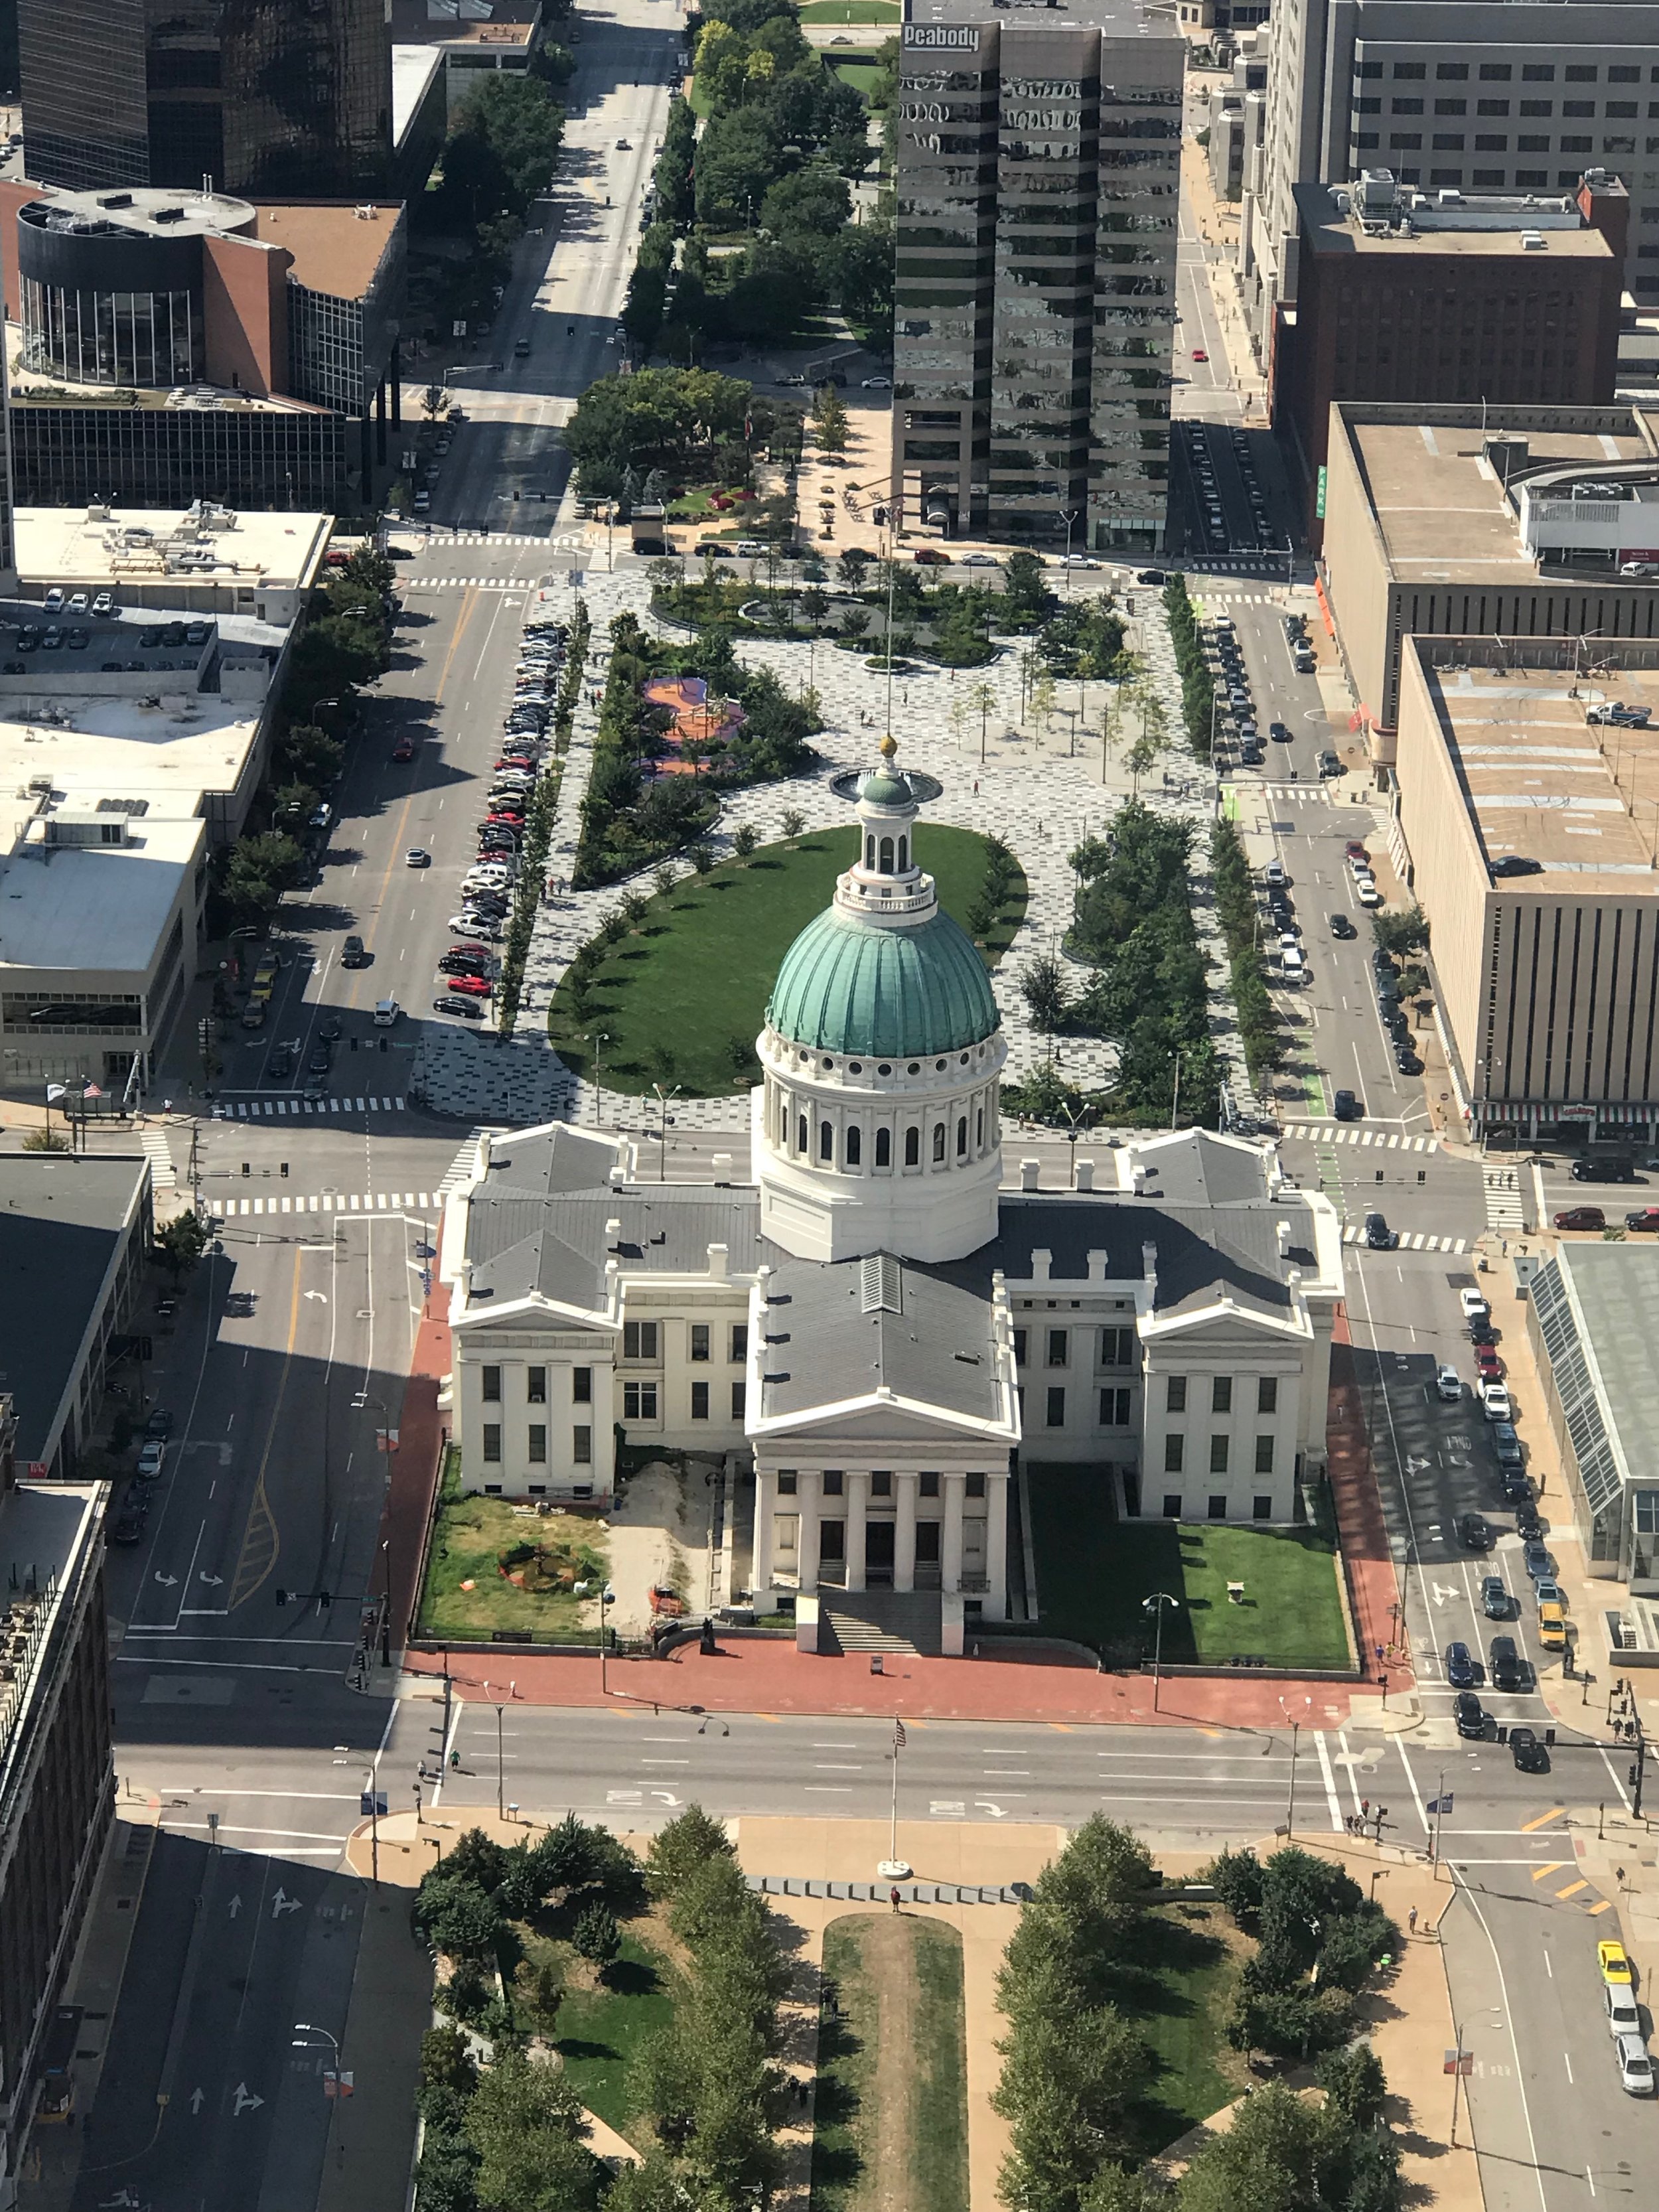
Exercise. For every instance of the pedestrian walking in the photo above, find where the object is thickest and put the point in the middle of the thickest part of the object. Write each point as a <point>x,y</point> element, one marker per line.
<point>894,1896</point>
<point>1410,1920</point>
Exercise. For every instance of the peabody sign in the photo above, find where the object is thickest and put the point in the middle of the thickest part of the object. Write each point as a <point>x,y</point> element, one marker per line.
<point>965,35</point>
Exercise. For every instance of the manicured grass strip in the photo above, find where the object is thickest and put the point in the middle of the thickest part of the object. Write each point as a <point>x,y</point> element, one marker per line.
<point>891,2116</point>
<point>693,979</point>
<point>1093,1572</point>
<point>1182,2013</point>
<point>470,1533</point>
<point>599,2030</point>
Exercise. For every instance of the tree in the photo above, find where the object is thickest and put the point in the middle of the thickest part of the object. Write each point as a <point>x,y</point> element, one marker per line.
<point>814,200</point>
<point>596,1936</point>
<point>446,2060</point>
<point>1400,932</point>
<point>180,1243</point>
<point>525,2124</point>
<point>745,840</point>
<point>258,870</point>
<point>653,2186</point>
<point>830,416</point>
<point>1355,2088</point>
<point>793,823</point>
<point>458,1917</point>
<point>687,1843</point>
<point>1042,987</point>
<point>1027,595</point>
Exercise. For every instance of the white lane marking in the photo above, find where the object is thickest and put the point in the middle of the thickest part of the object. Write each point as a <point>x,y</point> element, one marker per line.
<point>1329,1777</point>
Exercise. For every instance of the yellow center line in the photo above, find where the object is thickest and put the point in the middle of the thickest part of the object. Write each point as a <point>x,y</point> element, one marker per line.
<point>1551,1866</point>
<point>470,600</point>
<point>259,1505</point>
<point>1543,1820</point>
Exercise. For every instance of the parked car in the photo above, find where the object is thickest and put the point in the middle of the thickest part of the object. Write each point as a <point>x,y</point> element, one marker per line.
<point>1645,1219</point>
<point>1624,2014</point>
<point>1614,1964</point>
<point>1581,1217</point>
<point>128,1526</point>
<point>1495,1403</point>
<point>1635,2067</point>
<point>151,1456</point>
<point>479,927</point>
<point>1473,1305</point>
<point>1553,1627</point>
<point>1506,1444</point>
<point>463,1009</point>
<point>1536,1559</point>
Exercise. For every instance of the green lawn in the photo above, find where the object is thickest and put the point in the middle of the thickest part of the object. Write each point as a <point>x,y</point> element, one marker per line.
<point>599,2030</point>
<point>892,2114</point>
<point>1092,1573</point>
<point>1177,1985</point>
<point>860,75</point>
<point>699,969</point>
<point>470,1533</point>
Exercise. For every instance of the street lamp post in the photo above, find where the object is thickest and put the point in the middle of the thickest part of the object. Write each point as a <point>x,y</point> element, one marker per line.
<point>1069,516</point>
<point>663,1097</point>
<point>596,1038</point>
<point>1155,1605</point>
<point>500,1765</point>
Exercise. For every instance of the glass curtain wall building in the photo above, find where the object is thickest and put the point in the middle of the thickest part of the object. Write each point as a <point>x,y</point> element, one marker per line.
<point>263,96</point>
<point>1037,197</point>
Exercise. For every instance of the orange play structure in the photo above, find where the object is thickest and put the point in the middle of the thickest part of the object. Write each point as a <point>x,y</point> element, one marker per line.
<point>687,699</point>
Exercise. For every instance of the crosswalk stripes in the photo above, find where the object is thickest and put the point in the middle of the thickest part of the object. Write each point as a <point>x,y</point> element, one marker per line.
<point>461,1168</point>
<point>1501,1187</point>
<point>476,583</point>
<point>162,1175</point>
<point>1236,599</point>
<point>328,1202</point>
<point>295,1109</point>
<point>1323,1133</point>
<point>1412,1241</point>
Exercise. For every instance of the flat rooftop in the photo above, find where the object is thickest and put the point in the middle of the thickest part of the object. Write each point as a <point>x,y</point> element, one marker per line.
<point>46,1531</point>
<point>336,249</point>
<point>1443,514</point>
<point>67,545</point>
<point>63,1216</point>
<point>1542,783</point>
<point>111,745</point>
<point>83,911</point>
<point>149,210</point>
<point>1470,229</point>
<point>1118,18</point>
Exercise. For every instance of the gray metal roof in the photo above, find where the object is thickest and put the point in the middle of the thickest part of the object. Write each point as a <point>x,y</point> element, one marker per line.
<point>62,1216</point>
<point>1200,1251</point>
<point>524,1241</point>
<point>929,1340</point>
<point>1199,1169</point>
<point>1598,1311</point>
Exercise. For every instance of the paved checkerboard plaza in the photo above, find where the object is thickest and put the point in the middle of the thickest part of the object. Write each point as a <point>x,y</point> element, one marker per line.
<point>1042,789</point>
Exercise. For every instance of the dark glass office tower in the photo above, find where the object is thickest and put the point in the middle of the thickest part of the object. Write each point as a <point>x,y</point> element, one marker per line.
<point>1038,192</point>
<point>268,97</point>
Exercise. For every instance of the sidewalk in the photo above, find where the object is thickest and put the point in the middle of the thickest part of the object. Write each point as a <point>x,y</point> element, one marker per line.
<point>1363,1531</point>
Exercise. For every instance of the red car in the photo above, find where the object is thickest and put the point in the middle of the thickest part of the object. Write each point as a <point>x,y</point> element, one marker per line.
<point>1487,1363</point>
<point>1198,354</point>
<point>1582,1217</point>
<point>476,987</point>
<point>1353,850</point>
<point>404,750</point>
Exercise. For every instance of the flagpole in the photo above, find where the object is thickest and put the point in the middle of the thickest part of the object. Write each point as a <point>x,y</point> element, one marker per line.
<point>1439,1815</point>
<point>893,1868</point>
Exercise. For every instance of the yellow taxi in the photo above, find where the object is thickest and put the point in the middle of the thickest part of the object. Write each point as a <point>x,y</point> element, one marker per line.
<point>1614,1965</point>
<point>1552,1626</point>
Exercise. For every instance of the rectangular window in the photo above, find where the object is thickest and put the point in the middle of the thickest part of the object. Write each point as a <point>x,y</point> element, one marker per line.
<point>1117,1347</point>
<point>700,1339</point>
<point>928,1543</point>
<point>1057,1406</point>
<point>582,1386</point>
<point>786,1534</point>
<point>1451,107</point>
<point>1174,1394</point>
<point>1266,1394</point>
<point>535,1386</point>
<point>1581,72</point>
<point>1487,142</point>
<point>974,1486</point>
<point>1172,1505</point>
<point>1410,69</point>
<point>1538,73</point>
<point>831,1485</point>
<point>700,1402</point>
<point>538,1442</point>
<point>581,1446</point>
<point>1057,1348</point>
<point>638,1402</point>
<point>1019,1347</point>
<point>739,1342</point>
<point>881,1482</point>
<point>1404,142</point>
<point>1114,1409</point>
<point>1538,107</point>
<point>1221,1394</point>
<point>1261,1508</point>
<point>492,1386</point>
<point>739,1393</point>
<point>1218,1454</point>
<point>1582,109</point>
<point>832,1540</point>
<point>1496,72</point>
<point>638,1339</point>
<point>1217,1505</point>
<point>1492,108</point>
<point>788,1482</point>
<point>1264,1455</point>
<point>1447,71</point>
<point>1491,178</point>
<point>929,1485</point>
<point>1448,141</point>
<point>492,1444</point>
<point>1405,107</point>
<point>1174,1452</point>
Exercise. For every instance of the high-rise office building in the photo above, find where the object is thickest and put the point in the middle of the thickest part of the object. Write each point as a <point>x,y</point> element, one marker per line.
<point>264,96</point>
<point>1039,148</point>
<point>1465,95</point>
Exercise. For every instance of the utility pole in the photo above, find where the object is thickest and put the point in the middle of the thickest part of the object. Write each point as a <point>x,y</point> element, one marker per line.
<point>1290,1809</point>
<point>1638,1771</point>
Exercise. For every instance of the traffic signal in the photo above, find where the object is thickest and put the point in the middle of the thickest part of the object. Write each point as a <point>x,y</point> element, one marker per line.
<point>247,1169</point>
<point>285,1170</point>
<point>281,1597</point>
<point>324,1598</point>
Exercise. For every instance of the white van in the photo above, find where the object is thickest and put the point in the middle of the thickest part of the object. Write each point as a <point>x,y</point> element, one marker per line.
<point>385,1013</point>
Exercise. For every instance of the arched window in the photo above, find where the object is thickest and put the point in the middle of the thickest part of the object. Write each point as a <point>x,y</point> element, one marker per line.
<point>886,856</point>
<point>904,854</point>
<point>913,1148</point>
<point>854,1145</point>
<point>800,1133</point>
<point>869,852</point>
<point>979,1130</point>
<point>939,1140</point>
<point>826,1141</point>
<point>884,1148</point>
<point>962,1137</point>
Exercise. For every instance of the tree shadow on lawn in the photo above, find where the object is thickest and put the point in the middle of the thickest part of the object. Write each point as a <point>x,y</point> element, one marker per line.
<point>836,2108</point>
<point>1149,1982</point>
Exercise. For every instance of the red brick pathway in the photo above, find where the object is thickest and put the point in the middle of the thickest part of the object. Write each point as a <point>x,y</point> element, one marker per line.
<point>1373,1581</point>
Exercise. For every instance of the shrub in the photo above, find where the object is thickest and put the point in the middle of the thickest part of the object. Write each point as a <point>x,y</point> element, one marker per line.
<point>596,1936</point>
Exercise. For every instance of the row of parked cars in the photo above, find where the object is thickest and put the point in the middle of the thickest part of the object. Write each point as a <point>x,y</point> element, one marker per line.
<point>130,1521</point>
<point>467,972</point>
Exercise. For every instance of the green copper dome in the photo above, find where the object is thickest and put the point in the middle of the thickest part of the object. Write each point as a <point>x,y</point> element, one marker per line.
<point>882,787</point>
<point>849,985</point>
